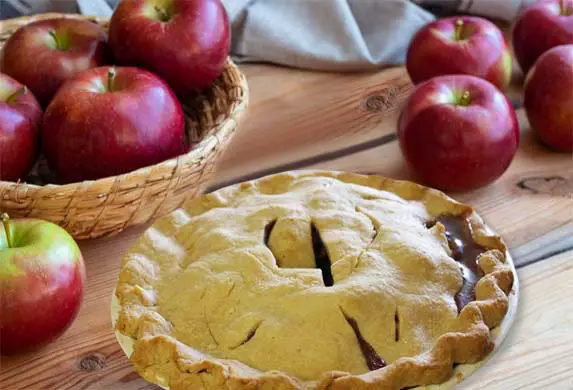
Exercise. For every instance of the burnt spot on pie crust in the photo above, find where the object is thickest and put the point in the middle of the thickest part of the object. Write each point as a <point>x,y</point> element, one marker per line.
<point>465,251</point>
<point>321,258</point>
<point>373,360</point>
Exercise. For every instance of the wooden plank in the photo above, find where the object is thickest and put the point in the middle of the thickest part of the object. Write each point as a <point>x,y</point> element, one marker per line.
<point>296,114</point>
<point>533,197</point>
<point>538,353</point>
<point>549,244</point>
<point>88,357</point>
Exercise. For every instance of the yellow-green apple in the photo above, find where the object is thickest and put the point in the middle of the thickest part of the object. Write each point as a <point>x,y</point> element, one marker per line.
<point>42,280</point>
<point>458,132</point>
<point>45,53</point>
<point>540,27</point>
<point>460,45</point>
<point>548,98</point>
<point>20,117</point>
<point>109,121</point>
<point>185,42</point>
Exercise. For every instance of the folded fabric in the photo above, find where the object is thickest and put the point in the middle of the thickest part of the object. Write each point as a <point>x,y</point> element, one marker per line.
<point>337,35</point>
<point>342,34</point>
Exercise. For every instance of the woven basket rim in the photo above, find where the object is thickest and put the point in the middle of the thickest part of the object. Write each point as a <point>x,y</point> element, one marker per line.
<point>47,15</point>
<point>204,146</point>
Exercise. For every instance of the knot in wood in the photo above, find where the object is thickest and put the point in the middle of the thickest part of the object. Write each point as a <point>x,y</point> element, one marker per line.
<point>92,362</point>
<point>384,100</point>
<point>558,186</point>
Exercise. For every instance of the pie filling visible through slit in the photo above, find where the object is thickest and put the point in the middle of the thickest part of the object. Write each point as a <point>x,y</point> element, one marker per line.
<point>313,280</point>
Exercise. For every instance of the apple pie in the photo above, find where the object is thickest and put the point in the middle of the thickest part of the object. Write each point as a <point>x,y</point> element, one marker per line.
<point>314,280</point>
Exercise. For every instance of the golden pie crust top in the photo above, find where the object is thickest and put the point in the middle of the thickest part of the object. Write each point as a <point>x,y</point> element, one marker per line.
<point>313,280</point>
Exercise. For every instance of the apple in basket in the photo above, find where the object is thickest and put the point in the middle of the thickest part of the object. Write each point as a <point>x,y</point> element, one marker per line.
<point>460,45</point>
<point>540,27</point>
<point>548,98</point>
<point>20,116</point>
<point>458,132</point>
<point>42,279</point>
<point>185,42</point>
<point>45,53</point>
<point>111,120</point>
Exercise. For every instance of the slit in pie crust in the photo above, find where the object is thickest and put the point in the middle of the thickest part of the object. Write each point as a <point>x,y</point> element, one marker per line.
<point>313,280</point>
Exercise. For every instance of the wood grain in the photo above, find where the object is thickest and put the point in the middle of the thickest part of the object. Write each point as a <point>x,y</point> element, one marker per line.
<point>520,213</point>
<point>302,115</point>
<point>294,118</point>
<point>538,353</point>
<point>88,357</point>
<point>297,114</point>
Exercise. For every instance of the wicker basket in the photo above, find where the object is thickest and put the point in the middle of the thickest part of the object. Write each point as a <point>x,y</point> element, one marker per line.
<point>107,206</point>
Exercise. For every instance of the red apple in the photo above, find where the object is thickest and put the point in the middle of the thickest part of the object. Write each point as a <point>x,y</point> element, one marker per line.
<point>108,121</point>
<point>42,280</point>
<point>540,27</point>
<point>458,132</point>
<point>186,42</point>
<point>44,54</point>
<point>460,45</point>
<point>548,98</point>
<point>20,116</point>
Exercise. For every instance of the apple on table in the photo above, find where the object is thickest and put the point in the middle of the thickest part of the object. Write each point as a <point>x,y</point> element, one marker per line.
<point>108,121</point>
<point>458,132</point>
<point>548,98</point>
<point>42,279</point>
<point>540,27</point>
<point>185,42</point>
<point>20,117</point>
<point>44,54</point>
<point>460,45</point>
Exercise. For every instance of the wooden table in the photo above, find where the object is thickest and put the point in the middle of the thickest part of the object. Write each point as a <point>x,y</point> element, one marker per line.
<point>301,120</point>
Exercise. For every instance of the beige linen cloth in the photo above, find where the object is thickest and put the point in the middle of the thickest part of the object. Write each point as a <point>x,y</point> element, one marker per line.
<point>339,35</point>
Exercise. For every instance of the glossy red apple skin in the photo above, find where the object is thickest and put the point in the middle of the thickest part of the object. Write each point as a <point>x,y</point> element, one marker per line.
<point>42,281</point>
<point>189,51</point>
<point>548,98</point>
<point>482,51</point>
<point>453,147</point>
<point>31,57</point>
<point>90,133</point>
<point>20,117</point>
<point>540,27</point>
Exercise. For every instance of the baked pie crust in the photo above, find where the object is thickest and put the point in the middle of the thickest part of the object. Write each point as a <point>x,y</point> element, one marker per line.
<point>314,280</point>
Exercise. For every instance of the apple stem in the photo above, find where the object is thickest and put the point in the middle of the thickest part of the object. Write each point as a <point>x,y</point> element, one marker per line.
<point>564,7</point>
<point>465,99</point>
<point>17,94</point>
<point>6,223</point>
<point>55,37</point>
<point>163,15</point>
<point>459,29</point>
<point>111,73</point>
